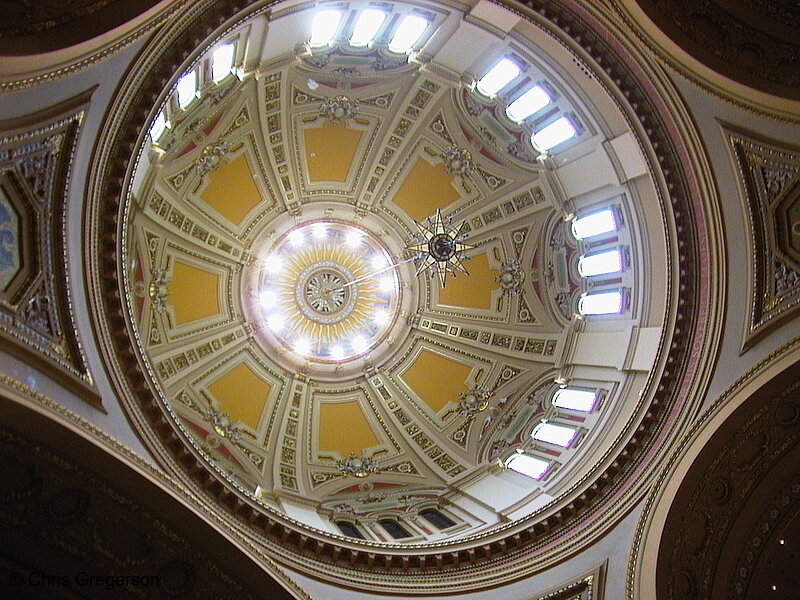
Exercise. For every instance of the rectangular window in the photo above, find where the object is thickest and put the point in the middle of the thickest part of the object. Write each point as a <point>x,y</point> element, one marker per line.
<point>187,88</point>
<point>222,62</point>
<point>554,434</point>
<point>600,263</point>
<point>408,33</point>
<point>527,465</point>
<point>324,27</point>
<point>394,529</point>
<point>557,132</point>
<point>574,399</point>
<point>594,224</point>
<point>602,303</point>
<point>158,127</point>
<point>437,519</point>
<point>498,77</point>
<point>534,100</point>
<point>367,26</point>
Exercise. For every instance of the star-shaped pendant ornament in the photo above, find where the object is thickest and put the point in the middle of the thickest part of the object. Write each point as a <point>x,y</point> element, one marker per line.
<point>439,247</point>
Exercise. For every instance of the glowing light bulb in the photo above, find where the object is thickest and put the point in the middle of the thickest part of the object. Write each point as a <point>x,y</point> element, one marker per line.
<point>319,231</point>
<point>353,237</point>
<point>386,284</point>
<point>302,346</point>
<point>276,322</point>
<point>268,299</point>
<point>381,317</point>
<point>273,263</point>
<point>378,261</point>
<point>296,238</point>
<point>359,343</point>
<point>337,352</point>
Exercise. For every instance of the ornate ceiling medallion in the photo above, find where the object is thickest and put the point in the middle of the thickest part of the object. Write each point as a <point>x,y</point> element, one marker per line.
<point>325,292</point>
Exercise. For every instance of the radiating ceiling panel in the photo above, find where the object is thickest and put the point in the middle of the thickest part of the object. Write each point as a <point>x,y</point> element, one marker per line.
<point>241,394</point>
<point>425,188</point>
<point>436,379</point>
<point>475,290</point>
<point>331,151</point>
<point>345,429</point>
<point>193,293</point>
<point>231,191</point>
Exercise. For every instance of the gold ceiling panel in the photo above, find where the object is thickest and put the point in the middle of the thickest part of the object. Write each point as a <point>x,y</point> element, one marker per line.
<point>193,293</point>
<point>241,393</point>
<point>426,187</point>
<point>231,190</point>
<point>436,379</point>
<point>344,429</point>
<point>474,291</point>
<point>330,151</point>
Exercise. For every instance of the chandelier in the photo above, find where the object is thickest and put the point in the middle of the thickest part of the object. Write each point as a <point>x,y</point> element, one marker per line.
<point>439,247</point>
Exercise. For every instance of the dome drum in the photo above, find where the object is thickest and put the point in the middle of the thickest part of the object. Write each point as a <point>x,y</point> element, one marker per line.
<point>306,372</point>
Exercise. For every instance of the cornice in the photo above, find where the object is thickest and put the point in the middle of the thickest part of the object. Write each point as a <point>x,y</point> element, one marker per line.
<point>66,68</point>
<point>752,100</point>
<point>727,402</point>
<point>20,393</point>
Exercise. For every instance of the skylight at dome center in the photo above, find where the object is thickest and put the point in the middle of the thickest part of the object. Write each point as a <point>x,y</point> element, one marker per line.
<point>326,291</point>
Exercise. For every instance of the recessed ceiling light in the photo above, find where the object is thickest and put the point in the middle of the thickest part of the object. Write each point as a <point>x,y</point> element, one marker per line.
<point>337,352</point>
<point>319,231</point>
<point>381,317</point>
<point>367,25</point>
<point>353,237</point>
<point>359,343</point>
<point>386,284</point>
<point>378,261</point>
<point>296,237</point>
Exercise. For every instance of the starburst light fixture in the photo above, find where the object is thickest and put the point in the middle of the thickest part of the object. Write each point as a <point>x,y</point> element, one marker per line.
<point>439,247</point>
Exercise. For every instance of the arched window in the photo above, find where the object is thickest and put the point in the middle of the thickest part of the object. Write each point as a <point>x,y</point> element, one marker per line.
<point>349,529</point>
<point>394,529</point>
<point>437,519</point>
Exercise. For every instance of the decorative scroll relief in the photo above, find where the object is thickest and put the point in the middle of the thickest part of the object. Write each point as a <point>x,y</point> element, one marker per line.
<point>769,176</point>
<point>36,317</point>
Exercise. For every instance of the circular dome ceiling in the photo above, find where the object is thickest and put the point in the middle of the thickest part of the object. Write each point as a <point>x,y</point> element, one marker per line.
<point>282,341</point>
